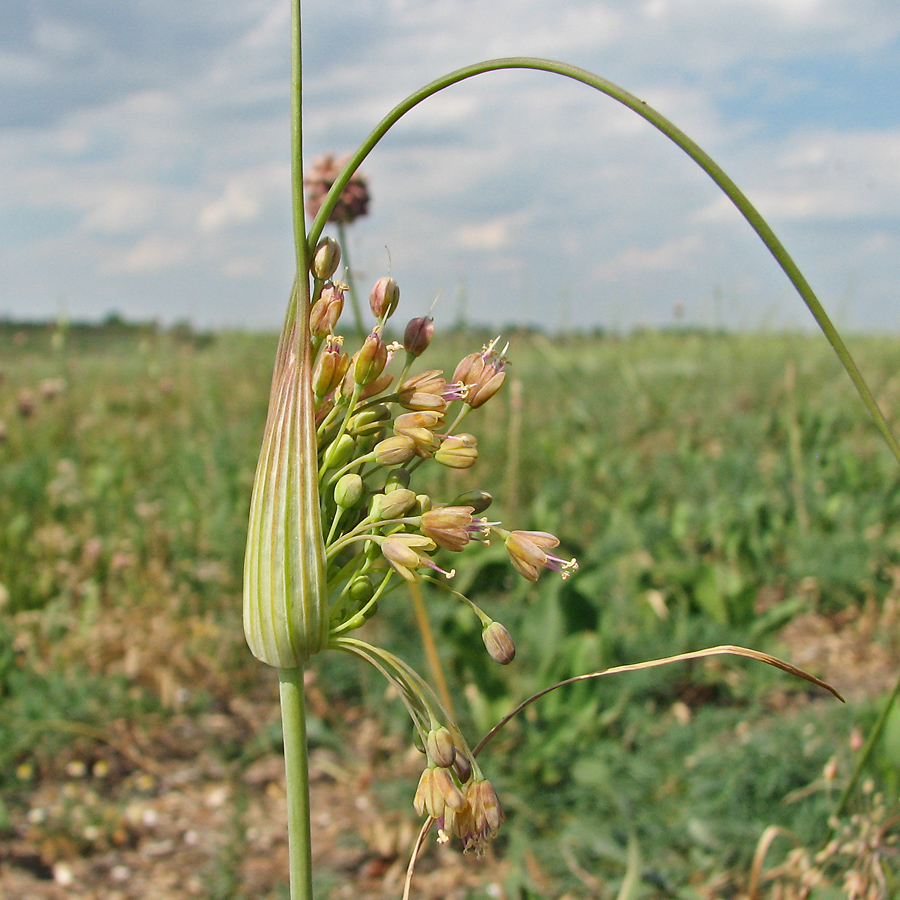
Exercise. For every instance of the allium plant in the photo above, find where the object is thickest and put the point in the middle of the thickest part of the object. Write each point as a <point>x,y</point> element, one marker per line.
<point>338,520</point>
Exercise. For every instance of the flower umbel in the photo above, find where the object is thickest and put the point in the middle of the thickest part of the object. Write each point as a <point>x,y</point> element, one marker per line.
<point>341,449</point>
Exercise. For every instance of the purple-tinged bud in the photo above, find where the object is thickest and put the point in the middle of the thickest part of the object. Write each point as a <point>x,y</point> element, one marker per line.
<point>418,335</point>
<point>384,297</point>
<point>395,451</point>
<point>369,361</point>
<point>457,451</point>
<point>325,312</point>
<point>326,259</point>
<point>462,767</point>
<point>440,747</point>
<point>499,644</point>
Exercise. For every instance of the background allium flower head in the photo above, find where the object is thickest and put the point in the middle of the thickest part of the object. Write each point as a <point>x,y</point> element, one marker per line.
<point>354,200</point>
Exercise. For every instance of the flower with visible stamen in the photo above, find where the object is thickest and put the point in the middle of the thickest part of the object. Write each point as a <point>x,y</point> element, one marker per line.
<point>528,553</point>
<point>452,527</point>
<point>482,373</point>
<point>327,310</point>
<point>424,392</point>
<point>482,815</point>
<point>406,552</point>
<point>330,368</point>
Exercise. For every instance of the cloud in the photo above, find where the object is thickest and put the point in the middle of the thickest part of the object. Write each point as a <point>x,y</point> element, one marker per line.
<point>145,151</point>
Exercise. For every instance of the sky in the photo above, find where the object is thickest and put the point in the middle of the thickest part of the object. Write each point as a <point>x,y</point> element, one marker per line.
<point>145,159</point>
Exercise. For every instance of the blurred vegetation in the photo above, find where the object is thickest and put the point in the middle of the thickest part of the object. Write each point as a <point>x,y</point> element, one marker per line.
<point>715,488</point>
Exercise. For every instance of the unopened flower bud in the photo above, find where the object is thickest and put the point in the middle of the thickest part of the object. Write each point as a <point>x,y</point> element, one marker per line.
<point>457,451</point>
<point>397,478</point>
<point>339,453</point>
<point>369,421</point>
<point>394,504</point>
<point>478,500</point>
<point>326,258</point>
<point>418,335</point>
<point>369,361</point>
<point>348,490</point>
<point>462,767</point>
<point>395,451</point>
<point>440,747</point>
<point>326,311</point>
<point>360,590</point>
<point>384,297</point>
<point>499,644</point>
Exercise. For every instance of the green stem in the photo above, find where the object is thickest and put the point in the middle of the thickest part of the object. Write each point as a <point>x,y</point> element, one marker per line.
<point>866,753</point>
<point>296,767</point>
<point>351,284</point>
<point>293,708</point>
<point>675,134</point>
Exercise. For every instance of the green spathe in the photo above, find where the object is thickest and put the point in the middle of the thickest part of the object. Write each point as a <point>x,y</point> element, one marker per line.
<point>285,605</point>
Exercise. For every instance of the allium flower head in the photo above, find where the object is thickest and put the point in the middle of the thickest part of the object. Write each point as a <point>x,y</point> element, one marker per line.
<point>354,200</point>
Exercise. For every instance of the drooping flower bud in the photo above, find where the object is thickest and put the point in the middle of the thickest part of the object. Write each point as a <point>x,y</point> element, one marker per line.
<point>499,644</point>
<point>384,297</point>
<point>326,259</point>
<point>528,554</point>
<point>440,747</point>
<point>418,335</point>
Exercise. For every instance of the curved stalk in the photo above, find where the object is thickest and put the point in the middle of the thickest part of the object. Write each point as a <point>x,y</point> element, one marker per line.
<point>675,134</point>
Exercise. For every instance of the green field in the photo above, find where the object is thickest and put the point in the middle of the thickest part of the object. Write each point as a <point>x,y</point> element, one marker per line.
<point>715,489</point>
